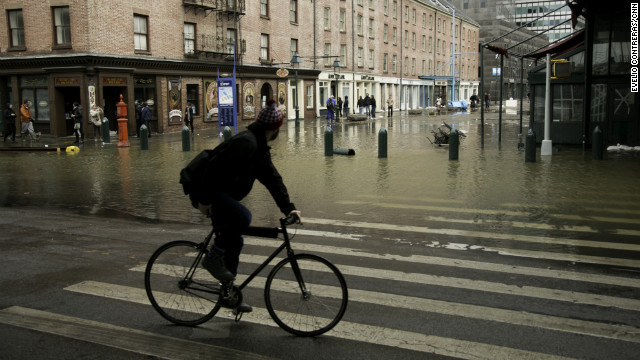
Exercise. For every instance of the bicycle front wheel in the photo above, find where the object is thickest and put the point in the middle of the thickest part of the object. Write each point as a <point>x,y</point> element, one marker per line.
<point>180,290</point>
<point>309,304</point>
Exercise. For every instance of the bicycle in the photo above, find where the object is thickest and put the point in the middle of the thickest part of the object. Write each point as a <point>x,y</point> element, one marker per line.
<point>305,294</point>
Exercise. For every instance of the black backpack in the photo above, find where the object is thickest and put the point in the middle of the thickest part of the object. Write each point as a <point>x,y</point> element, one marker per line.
<point>193,176</point>
<point>330,105</point>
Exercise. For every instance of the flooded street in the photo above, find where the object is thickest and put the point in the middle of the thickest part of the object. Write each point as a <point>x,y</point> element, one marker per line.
<point>132,182</point>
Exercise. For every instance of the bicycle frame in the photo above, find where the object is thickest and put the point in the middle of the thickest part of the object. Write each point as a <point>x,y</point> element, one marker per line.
<point>267,232</point>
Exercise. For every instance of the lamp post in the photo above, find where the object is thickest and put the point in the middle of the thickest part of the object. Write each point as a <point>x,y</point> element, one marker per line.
<point>336,65</point>
<point>295,63</point>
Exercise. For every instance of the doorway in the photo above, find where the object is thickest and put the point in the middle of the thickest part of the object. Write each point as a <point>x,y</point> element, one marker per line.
<point>266,93</point>
<point>65,97</point>
<point>110,98</point>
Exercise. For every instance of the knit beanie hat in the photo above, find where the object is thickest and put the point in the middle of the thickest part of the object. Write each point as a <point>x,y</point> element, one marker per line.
<point>270,116</point>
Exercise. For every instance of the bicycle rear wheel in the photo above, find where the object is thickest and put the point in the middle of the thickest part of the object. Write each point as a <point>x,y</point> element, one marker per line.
<point>178,288</point>
<point>313,309</point>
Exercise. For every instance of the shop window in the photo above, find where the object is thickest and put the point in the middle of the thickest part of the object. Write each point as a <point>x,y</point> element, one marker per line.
<point>193,97</point>
<point>36,90</point>
<point>62,25</point>
<point>309,96</point>
<point>16,28</point>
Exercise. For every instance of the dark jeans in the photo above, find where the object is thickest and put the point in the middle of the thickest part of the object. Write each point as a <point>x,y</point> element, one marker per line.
<point>231,218</point>
<point>10,130</point>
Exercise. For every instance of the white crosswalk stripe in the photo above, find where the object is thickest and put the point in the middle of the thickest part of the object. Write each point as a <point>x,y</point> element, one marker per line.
<point>585,292</point>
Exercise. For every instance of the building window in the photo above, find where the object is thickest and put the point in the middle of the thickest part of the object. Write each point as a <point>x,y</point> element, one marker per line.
<point>430,44</point>
<point>413,66</point>
<point>140,33</point>
<point>424,66</point>
<point>386,7</point>
<point>384,63</point>
<point>413,40</point>
<point>359,29</point>
<point>343,55</point>
<point>394,65</point>
<point>465,4</point>
<point>406,38</point>
<point>16,28</point>
<point>264,47</point>
<point>371,34</point>
<point>430,66</point>
<point>413,16</point>
<point>424,42</point>
<point>385,34</point>
<point>327,18</point>
<point>395,9</point>
<point>264,8</point>
<point>424,20</point>
<point>438,47</point>
<point>370,4</point>
<point>190,38</point>
<point>371,57</point>
<point>62,25</point>
<point>294,46</point>
<point>406,65</point>
<point>395,35</point>
<point>430,22</point>
<point>293,11</point>
<point>193,97</point>
<point>343,20</point>
<point>231,39</point>
<point>360,59</point>
<point>327,54</point>
<point>406,13</point>
<point>482,3</point>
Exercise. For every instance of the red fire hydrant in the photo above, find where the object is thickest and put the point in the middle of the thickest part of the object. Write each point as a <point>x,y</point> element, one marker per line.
<point>123,135</point>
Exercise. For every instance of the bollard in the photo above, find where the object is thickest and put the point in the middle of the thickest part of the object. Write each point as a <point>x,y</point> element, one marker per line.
<point>186,144</point>
<point>597,144</point>
<point>382,143</point>
<point>328,142</point>
<point>144,137</point>
<point>341,151</point>
<point>123,136</point>
<point>530,147</point>
<point>106,136</point>
<point>454,143</point>
<point>226,133</point>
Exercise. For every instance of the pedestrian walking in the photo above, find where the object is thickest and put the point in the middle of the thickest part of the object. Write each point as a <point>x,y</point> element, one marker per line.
<point>331,108</point>
<point>9,123</point>
<point>487,99</point>
<point>373,107</point>
<point>367,105</point>
<point>438,104</point>
<point>95,119</point>
<point>188,116</point>
<point>145,117</point>
<point>139,105</point>
<point>77,122</point>
<point>361,105</point>
<point>346,105</point>
<point>339,107</point>
<point>26,120</point>
<point>390,106</point>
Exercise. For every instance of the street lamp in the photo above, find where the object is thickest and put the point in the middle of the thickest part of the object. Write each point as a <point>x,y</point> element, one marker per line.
<point>295,63</point>
<point>336,65</point>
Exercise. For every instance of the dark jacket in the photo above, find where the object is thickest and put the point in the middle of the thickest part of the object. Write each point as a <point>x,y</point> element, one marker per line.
<point>145,113</point>
<point>367,100</point>
<point>10,116</point>
<point>77,114</point>
<point>238,162</point>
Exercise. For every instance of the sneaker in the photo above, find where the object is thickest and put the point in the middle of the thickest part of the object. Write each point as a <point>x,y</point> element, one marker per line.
<point>215,265</point>
<point>244,308</point>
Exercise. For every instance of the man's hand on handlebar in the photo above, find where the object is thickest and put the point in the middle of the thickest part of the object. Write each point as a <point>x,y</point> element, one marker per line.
<point>296,215</point>
<point>205,209</point>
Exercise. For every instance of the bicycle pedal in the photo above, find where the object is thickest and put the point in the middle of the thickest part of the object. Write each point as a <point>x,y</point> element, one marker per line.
<point>238,315</point>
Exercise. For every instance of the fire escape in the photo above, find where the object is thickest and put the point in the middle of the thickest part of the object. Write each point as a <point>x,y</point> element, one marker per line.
<point>227,16</point>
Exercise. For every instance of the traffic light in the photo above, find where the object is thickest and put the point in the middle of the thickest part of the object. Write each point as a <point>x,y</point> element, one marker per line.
<point>561,69</point>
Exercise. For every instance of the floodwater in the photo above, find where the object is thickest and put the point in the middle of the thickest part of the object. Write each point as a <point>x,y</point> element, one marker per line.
<point>130,182</point>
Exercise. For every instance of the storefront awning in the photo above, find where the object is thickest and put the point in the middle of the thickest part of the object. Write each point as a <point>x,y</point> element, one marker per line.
<point>561,47</point>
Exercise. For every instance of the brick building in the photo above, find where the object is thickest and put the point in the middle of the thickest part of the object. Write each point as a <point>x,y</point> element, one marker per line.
<point>169,52</point>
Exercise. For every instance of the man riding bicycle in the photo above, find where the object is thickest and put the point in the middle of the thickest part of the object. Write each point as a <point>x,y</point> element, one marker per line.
<point>236,164</point>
